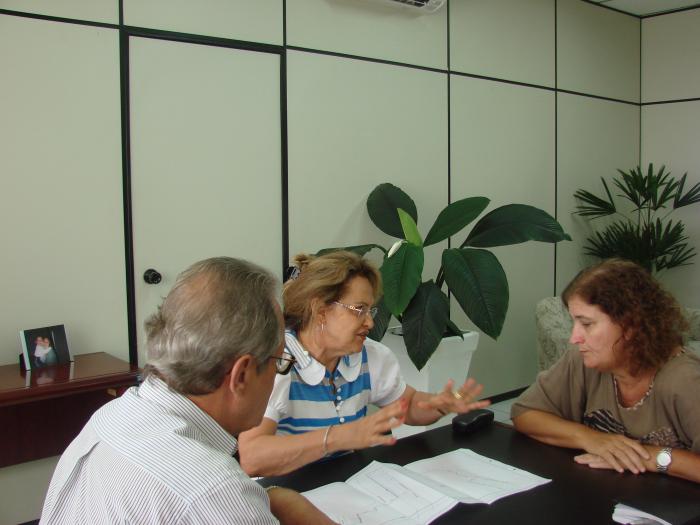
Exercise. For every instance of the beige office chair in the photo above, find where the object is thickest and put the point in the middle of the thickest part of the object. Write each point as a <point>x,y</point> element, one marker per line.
<point>553,328</point>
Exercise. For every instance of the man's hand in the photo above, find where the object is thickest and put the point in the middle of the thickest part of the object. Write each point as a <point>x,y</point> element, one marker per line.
<point>291,508</point>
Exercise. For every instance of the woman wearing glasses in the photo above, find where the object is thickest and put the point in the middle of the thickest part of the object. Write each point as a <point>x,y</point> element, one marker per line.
<point>320,406</point>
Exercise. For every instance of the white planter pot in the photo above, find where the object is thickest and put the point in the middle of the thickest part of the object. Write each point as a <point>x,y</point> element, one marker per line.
<point>451,360</point>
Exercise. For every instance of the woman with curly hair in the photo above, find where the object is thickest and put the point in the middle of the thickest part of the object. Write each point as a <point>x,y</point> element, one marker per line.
<point>628,395</point>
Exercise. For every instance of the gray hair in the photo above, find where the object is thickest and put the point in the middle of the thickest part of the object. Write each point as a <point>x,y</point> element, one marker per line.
<point>218,310</point>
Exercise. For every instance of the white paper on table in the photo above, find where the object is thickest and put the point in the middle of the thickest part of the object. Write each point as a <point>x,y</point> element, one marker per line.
<point>439,487</point>
<point>469,476</point>
<point>348,506</point>
<point>626,514</point>
<point>381,494</point>
<point>392,487</point>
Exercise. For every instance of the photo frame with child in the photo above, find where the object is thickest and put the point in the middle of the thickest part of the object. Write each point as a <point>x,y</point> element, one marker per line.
<point>46,346</point>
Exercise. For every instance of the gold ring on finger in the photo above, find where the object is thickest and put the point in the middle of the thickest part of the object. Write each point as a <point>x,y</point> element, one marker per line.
<point>457,395</point>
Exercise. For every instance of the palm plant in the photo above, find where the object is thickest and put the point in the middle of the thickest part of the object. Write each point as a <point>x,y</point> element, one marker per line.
<point>473,275</point>
<point>646,234</point>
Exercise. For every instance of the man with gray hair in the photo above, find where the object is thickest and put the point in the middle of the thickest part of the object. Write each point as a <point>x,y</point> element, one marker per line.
<point>164,451</point>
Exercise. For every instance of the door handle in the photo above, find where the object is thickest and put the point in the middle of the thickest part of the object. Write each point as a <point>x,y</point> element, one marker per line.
<point>152,276</point>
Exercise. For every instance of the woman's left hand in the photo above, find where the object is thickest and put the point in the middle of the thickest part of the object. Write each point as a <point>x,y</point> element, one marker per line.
<point>460,401</point>
<point>599,462</point>
<point>593,461</point>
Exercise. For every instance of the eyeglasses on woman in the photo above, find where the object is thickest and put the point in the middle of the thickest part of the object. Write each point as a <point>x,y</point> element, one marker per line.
<point>360,311</point>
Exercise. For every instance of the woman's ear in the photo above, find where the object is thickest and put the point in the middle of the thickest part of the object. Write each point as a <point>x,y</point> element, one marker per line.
<point>318,311</point>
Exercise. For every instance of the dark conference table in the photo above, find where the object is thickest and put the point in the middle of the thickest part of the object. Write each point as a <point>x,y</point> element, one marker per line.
<point>576,494</point>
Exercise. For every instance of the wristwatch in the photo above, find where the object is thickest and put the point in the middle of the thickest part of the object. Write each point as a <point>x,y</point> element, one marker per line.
<point>663,460</point>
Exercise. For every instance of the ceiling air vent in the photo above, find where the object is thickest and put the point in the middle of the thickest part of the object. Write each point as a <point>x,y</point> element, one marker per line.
<point>427,6</point>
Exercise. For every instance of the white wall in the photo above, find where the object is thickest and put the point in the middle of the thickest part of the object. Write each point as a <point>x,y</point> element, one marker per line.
<point>597,54</point>
<point>595,137</point>
<point>671,128</point>
<point>597,51</point>
<point>370,92</point>
<point>62,233</point>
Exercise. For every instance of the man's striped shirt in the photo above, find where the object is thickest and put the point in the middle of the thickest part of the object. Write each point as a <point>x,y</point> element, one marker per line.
<point>152,456</point>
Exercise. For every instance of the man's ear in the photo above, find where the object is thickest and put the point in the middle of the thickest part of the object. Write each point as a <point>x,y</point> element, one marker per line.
<point>242,373</point>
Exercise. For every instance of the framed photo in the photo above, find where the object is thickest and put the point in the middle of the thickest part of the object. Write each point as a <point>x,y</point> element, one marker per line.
<point>47,346</point>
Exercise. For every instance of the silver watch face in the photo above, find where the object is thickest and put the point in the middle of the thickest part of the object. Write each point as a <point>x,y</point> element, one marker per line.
<point>663,459</point>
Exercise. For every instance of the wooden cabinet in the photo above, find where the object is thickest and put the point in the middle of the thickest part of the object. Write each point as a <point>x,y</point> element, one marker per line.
<point>41,411</point>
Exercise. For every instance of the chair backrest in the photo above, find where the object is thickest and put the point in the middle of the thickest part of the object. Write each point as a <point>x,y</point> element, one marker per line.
<point>693,317</point>
<point>553,328</point>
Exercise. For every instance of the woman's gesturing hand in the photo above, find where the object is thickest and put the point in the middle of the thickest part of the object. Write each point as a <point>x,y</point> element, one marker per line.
<point>376,428</point>
<point>459,401</point>
<point>614,451</point>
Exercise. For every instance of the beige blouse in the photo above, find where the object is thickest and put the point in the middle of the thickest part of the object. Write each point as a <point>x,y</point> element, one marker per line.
<point>668,416</point>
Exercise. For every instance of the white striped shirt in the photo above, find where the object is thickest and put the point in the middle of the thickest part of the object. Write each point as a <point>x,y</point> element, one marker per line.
<point>152,456</point>
<point>310,397</point>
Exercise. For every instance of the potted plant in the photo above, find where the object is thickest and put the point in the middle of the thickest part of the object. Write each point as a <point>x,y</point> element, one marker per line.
<point>474,276</point>
<point>644,234</point>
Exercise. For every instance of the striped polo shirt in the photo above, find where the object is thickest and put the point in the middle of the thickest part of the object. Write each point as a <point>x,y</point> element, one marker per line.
<point>153,456</point>
<point>310,397</point>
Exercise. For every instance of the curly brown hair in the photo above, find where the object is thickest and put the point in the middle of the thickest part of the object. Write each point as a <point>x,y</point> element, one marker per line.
<point>633,299</point>
<point>324,277</point>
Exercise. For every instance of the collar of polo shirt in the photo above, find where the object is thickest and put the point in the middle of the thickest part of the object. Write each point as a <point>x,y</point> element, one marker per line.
<point>311,371</point>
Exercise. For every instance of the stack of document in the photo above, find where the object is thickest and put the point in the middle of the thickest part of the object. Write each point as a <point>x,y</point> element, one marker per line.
<point>629,515</point>
<point>421,491</point>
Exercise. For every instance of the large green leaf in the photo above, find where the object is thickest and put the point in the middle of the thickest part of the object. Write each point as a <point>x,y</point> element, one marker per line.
<point>424,323</point>
<point>455,217</point>
<point>382,204</point>
<point>401,275</point>
<point>381,321</point>
<point>360,249</point>
<point>513,224</point>
<point>478,282</point>
<point>410,230</point>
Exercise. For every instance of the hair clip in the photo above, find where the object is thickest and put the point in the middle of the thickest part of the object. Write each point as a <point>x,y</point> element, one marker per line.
<point>291,273</point>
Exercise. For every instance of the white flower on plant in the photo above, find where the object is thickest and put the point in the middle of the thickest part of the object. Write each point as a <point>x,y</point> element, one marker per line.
<point>395,247</point>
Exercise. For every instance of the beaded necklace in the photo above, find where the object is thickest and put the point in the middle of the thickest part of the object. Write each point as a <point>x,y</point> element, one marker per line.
<point>638,403</point>
<point>646,394</point>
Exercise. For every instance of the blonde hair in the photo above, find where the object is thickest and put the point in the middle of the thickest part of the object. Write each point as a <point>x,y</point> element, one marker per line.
<point>325,278</point>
